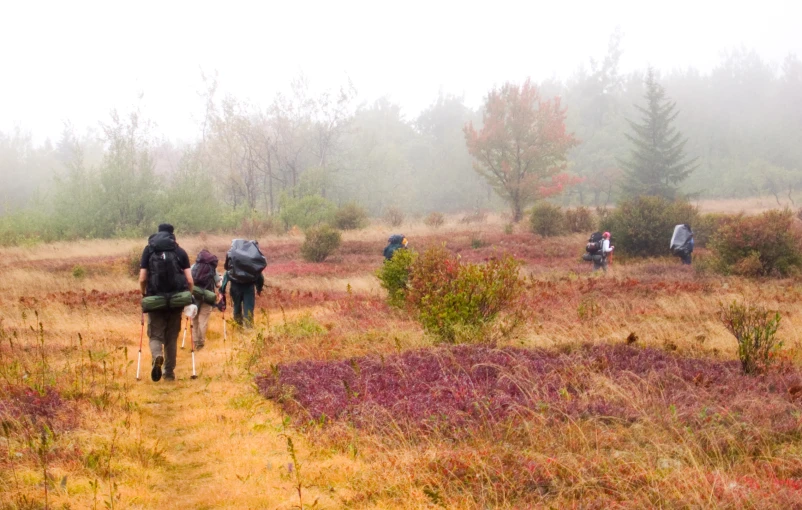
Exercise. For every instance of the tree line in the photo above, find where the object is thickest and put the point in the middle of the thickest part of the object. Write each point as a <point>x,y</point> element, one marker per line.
<point>739,127</point>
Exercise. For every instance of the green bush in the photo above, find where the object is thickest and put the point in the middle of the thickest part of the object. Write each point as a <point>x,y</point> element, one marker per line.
<point>705,227</point>
<point>762,245</point>
<point>306,212</point>
<point>394,275</point>
<point>350,217</point>
<point>394,216</point>
<point>320,243</point>
<point>547,220</point>
<point>435,219</point>
<point>456,300</point>
<point>78,271</point>
<point>580,219</point>
<point>642,227</point>
<point>755,329</point>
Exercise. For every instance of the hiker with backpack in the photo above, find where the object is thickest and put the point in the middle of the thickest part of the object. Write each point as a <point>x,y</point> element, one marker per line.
<point>165,281</point>
<point>395,242</point>
<point>598,249</point>
<point>682,243</point>
<point>244,265</point>
<point>207,282</point>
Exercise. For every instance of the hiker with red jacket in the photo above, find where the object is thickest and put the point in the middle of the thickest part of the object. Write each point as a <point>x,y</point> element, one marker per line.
<point>207,283</point>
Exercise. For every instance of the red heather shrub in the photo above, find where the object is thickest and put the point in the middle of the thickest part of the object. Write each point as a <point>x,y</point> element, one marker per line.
<point>453,298</point>
<point>24,404</point>
<point>763,245</point>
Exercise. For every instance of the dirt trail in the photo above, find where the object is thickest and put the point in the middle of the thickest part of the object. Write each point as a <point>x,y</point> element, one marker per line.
<point>221,441</point>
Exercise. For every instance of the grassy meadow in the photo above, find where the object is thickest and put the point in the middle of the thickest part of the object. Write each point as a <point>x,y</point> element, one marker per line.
<point>619,390</point>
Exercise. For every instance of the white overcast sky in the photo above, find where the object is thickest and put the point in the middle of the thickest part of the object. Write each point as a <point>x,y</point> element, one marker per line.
<point>75,60</point>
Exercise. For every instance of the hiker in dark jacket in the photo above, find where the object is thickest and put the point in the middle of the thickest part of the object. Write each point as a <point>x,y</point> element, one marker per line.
<point>164,325</point>
<point>243,298</point>
<point>395,242</point>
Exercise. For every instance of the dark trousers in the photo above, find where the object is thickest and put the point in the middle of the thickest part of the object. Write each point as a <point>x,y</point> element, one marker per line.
<point>599,262</point>
<point>244,297</point>
<point>163,329</point>
<point>686,258</point>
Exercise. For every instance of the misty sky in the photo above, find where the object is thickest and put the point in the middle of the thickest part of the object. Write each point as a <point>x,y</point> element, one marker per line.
<point>73,60</point>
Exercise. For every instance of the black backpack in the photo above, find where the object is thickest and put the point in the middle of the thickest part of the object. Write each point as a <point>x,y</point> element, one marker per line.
<point>594,243</point>
<point>165,276</point>
<point>204,269</point>
<point>244,261</point>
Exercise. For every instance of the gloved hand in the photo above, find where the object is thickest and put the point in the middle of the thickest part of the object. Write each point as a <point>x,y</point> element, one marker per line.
<point>221,305</point>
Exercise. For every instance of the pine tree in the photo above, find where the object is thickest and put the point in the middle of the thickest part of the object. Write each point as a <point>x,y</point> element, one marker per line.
<point>657,163</point>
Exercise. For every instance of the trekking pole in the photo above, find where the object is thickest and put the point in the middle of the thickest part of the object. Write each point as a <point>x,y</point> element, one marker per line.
<point>192,345</point>
<point>139,356</point>
<point>184,338</point>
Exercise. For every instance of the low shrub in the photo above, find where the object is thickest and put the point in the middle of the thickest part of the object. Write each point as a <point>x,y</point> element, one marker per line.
<point>477,216</point>
<point>457,301</point>
<point>509,229</point>
<point>755,329</point>
<point>547,220</point>
<point>320,243</point>
<point>394,275</point>
<point>762,245</point>
<point>434,220</point>
<point>350,217</point>
<point>580,219</point>
<point>642,227</point>
<point>394,216</point>
<point>706,227</point>
<point>78,271</point>
<point>306,212</point>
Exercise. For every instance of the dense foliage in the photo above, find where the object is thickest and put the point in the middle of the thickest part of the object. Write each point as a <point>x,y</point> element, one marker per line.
<point>350,217</point>
<point>456,300</point>
<point>755,329</point>
<point>763,245</point>
<point>394,275</point>
<point>320,242</point>
<point>642,227</point>
<point>547,220</point>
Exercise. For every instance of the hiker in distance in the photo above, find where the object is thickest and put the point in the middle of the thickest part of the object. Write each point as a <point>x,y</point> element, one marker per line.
<point>682,243</point>
<point>600,262</point>
<point>395,242</point>
<point>206,294</point>
<point>165,281</point>
<point>244,265</point>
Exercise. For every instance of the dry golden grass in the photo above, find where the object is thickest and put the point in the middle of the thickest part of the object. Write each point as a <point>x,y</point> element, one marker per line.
<point>215,442</point>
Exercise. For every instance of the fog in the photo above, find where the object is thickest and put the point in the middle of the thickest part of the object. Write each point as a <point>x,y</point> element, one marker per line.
<point>368,101</point>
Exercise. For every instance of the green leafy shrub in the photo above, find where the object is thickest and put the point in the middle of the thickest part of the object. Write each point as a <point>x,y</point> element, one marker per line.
<point>435,219</point>
<point>642,227</point>
<point>755,329</point>
<point>394,216</point>
<point>705,228</point>
<point>547,220</point>
<point>306,212</point>
<point>762,245</point>
<point>78,271</point>
<point>350,217</point>
<point>457,301</point>
<point>394,275</point>
<point>580,219</point>
<point>320,243</point>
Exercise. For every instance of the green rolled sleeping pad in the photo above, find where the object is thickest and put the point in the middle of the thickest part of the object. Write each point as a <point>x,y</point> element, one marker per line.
<point>203,295</point>
<point>177,300</point>
<point>154,303</point>
<point>181,299</point>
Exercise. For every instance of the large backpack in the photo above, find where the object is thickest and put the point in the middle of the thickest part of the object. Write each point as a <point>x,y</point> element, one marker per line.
<point>682,240</point>
<point>244,261</point>
<point>594,245</point>
<point>204,269</point>
<point>165,276</point>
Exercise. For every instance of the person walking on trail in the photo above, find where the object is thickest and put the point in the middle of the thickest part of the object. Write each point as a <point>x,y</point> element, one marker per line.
<point>244,265</point>
<point>395,242</point>
<point>164,271</point>
<point>600,261</point>
<point>682,243</point>
<point>206,292</point>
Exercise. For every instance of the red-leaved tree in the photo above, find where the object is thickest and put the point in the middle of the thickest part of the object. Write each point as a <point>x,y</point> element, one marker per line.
<point>522,145</point>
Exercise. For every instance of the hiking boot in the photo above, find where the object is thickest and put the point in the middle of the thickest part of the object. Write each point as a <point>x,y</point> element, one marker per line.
<point>198,347</point>
<point>156,371</point>
<point>169,376</point>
